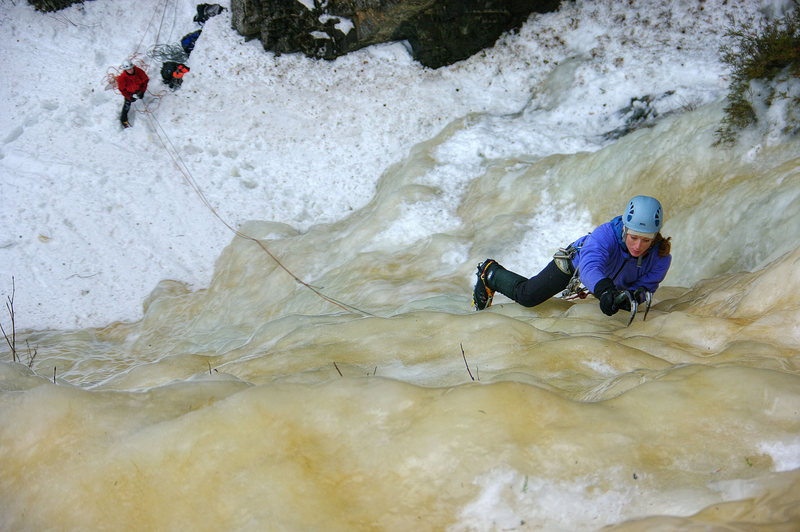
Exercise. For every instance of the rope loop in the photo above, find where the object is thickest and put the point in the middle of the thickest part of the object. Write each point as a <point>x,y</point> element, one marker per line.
<point>169,147</point>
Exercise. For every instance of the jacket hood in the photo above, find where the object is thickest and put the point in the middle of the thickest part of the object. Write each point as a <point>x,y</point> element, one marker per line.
<point>616,223</point>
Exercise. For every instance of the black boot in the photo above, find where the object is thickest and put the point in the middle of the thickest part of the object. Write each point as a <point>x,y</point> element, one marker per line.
<point>123,117</point>
<point>481,294</point>
<point>493,277</point>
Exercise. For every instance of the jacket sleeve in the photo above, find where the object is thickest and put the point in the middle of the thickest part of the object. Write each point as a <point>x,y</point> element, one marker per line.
<point>595,256</point>
<point>122,85</point>
<point>141,80</point>
<point>655,273</point>
<point>128,84</point>
<point>145,80</point>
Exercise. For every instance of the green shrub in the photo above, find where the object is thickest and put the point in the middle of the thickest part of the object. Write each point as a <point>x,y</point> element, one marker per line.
<point>760,55</point>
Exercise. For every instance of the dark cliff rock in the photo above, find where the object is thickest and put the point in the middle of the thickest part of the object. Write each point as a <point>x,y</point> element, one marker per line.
<point>52,5</point>
<point>440,32</point>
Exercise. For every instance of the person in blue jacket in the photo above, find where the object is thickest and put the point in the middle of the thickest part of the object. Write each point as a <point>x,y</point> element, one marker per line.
<point>626,253</point>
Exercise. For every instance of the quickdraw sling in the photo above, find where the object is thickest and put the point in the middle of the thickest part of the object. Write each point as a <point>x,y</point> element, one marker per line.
<point>563,260</point>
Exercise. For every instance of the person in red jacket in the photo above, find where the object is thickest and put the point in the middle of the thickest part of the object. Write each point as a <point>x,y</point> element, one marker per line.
<point>131,83</point>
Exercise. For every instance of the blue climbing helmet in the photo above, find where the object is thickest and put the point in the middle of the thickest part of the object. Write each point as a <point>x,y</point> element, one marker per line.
<point>643,217</point>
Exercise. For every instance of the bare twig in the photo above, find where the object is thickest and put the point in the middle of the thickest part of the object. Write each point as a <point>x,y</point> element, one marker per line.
<point>465,362</point>
<point>31,356</point>
<point>54,374</point>
<point>12,341</point>
<point>337,369</point>
<point>63,20</point>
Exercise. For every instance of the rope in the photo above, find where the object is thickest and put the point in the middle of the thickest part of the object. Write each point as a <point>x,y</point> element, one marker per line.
<point>144,33</point>
<point>110,81</point>
<point>168,52</point>
<point>161,24</point>
<point>169,147</point>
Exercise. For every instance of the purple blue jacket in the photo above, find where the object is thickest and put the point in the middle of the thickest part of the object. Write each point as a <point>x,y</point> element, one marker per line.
<point>602,253</point>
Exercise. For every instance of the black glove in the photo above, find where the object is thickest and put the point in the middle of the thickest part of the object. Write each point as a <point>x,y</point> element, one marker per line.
<point>605,291</point>
<point>622,301</point>
<point>640,295</point>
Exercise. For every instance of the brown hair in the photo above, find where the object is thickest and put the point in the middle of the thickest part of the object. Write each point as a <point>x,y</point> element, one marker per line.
<point>663,244</point>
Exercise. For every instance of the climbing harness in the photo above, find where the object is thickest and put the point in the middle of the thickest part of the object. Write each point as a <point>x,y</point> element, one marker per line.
<point>563,260</point>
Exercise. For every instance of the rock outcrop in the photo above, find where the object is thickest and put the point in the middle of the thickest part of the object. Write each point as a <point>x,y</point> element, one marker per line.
<point>440,32</point>
<point>52,5</point>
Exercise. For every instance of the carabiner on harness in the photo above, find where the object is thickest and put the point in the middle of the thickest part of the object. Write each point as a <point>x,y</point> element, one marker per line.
<point>563,260</point>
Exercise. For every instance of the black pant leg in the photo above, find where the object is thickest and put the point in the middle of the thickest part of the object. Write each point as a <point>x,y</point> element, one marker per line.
<point>542,286</point>
<point>125,108</point>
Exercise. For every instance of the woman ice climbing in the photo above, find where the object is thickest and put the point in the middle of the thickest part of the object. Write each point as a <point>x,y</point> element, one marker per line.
<point>626,254</point>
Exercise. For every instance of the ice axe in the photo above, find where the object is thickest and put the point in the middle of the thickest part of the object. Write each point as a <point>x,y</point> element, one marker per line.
<point>626,298</point>
<point>648,298</point>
